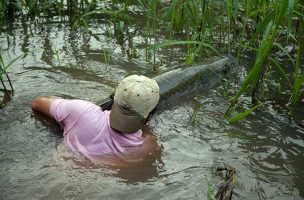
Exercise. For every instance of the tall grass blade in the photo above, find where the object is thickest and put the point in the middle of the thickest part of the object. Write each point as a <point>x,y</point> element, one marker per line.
<point>299,78</point>
<point>210,194</point>
<point>291,4</point>
<point>12,62</point>
<point>171,43</point>
<point>5,89</point>
<point>9,81</point>
<point>282,72</point>
<point>229,15</point>
<point>285,52</point>
<point>263,25</point>
<point>243,114</point>
<point>3,69</point>
<point>116,13</point>
<point>195,111</point>
<point>263,52</point>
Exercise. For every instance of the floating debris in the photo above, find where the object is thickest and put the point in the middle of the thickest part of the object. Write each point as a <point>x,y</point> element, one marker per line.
<point>226,186</point>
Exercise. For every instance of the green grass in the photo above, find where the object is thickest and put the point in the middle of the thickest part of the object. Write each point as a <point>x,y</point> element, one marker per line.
<point>200,28</point>
<point>297,88</point>
<point>239,135</point>
<point>270,27</point>
<point>197,107</point>
<point>3,73</point>
<point>210,192</point>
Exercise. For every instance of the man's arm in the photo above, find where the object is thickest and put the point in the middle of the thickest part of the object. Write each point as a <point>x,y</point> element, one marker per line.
<point>146,150</point>
<point>150,145</point>
<point>42,105</point>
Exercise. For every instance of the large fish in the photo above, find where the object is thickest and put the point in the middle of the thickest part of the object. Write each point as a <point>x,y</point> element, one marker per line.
<point>177,80</point>
<point>189,80</point>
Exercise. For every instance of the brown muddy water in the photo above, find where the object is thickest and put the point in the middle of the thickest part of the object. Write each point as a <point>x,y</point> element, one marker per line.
<point>266,149</point>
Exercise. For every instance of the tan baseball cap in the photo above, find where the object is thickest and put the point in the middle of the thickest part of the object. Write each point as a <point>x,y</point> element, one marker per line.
<point>135,97</point>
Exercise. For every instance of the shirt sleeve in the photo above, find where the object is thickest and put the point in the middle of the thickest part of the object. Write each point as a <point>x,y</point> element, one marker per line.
<point>65,112</point>
<point>59,110</point>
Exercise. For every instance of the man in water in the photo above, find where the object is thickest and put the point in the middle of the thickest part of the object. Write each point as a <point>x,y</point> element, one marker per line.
<point>95,133</point>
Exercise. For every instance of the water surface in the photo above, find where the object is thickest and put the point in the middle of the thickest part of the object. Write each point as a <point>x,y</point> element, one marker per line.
<point>266,148</point>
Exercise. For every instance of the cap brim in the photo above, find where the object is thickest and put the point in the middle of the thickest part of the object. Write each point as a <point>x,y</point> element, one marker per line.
<point>123,122</point>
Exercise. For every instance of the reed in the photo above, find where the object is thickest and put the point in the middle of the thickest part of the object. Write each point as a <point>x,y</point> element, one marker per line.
<point>197,107</point>
<point>270,27</point>
<point>297,91</point>
<point>255,25</point>
<point>210,192</point>
<point>37,8</point>
<point>229,18</point>
<point>57,55</point>
<point>3,72</point>
<point>107,56</point>
<point>243,114</point>
<point>201,28</point>
<point>150,9</point>
<point>114,15</point>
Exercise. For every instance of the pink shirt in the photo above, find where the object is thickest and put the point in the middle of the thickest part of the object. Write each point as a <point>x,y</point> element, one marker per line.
<point>87,129</point>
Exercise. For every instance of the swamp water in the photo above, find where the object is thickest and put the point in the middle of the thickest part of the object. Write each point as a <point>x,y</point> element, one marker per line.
<point>266,149</point>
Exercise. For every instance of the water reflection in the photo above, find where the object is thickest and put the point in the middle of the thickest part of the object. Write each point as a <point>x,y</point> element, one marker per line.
<point>131,173</point>
<point>266,148</point>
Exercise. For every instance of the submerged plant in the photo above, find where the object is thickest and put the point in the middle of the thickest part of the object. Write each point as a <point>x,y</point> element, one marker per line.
<point>3,72</point>
<point>107,55</point>
<point>196,109</point>
<point>57,55</point>
<point>113,14</point>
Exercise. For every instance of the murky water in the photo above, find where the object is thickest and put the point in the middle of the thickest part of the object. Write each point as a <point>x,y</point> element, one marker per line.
<point>266,149</point>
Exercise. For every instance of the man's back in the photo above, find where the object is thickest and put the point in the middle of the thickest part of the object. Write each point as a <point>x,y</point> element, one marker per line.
<point>87,129</point>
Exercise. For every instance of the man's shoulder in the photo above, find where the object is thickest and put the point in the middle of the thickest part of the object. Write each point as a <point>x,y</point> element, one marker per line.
<point>76,106</point>
<point>78,103</point>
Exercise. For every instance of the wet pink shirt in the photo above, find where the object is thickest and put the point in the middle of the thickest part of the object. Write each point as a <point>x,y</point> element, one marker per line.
<point>87,129</point>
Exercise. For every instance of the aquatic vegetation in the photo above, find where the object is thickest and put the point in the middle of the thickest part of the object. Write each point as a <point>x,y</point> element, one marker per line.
<point>239,135</point>
<point>200,29</point>
<point>191,53</point>
<point>3,73</point>
<point>210,194</point>
<point>40,8</point>
<point>107,56</point>
<point>85,46</point>
<point>297,88</point>
<point>260,27</point>
<point>226,185</point>
<point>114,15</point>
<point>241,115</point>
<point>57,56</point>
<point>197,107</point>
<point>271,30</point>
